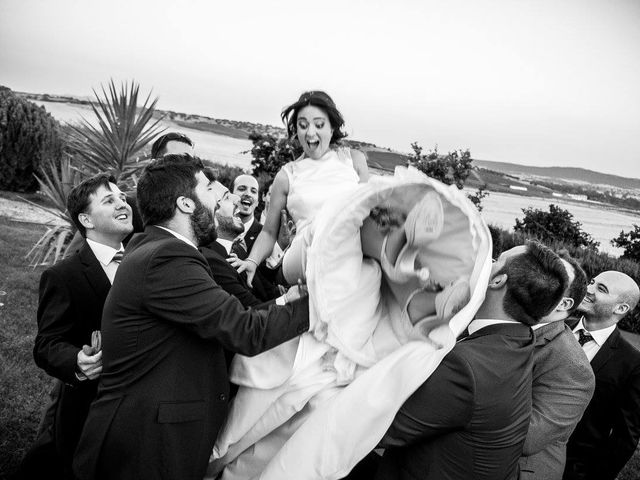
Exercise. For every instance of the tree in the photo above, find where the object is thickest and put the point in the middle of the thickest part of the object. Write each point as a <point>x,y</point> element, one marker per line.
<point>28,136</point>
<point>451,169</point>
<point>556,225</point>
<point>630,242</point>
<point>270,153</point>
<point>123,130</point>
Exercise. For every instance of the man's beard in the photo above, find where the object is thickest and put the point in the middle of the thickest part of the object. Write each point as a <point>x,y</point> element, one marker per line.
<point>204,227</point>
<point>228,227</point>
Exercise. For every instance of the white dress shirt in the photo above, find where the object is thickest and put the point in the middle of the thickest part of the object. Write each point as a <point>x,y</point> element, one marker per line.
<point>476,325</point>
<point>227,244</point>
<point>104,254</point>
<point>599,337</point>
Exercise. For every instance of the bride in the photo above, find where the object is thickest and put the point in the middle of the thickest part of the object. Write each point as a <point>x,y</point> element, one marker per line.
<point>360,312</point>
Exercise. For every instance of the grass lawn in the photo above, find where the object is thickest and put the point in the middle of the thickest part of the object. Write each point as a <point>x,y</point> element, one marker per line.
<point>25,386</point>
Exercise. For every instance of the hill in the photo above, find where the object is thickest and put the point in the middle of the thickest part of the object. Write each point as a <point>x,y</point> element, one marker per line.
<point>561,173</point>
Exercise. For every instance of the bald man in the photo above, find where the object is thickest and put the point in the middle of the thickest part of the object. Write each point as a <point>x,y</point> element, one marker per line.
<point>608,433</point>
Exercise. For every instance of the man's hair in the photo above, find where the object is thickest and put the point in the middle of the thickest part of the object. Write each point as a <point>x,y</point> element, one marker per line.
<point>577,290</point>
<point>536,282</point>
<point>163,181</point>
<point>79,197</point>
<point>158,149</point>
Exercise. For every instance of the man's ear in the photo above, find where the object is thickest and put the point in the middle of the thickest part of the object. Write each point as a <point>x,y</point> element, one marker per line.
<point>85,221</point>
<point>565,304</point>
<point>621,309</point>
<point>498,281</point>
<point>185,204</point>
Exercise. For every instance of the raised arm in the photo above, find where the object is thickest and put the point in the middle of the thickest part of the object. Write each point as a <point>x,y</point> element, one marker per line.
<point>265,241</point>
<point>360,165</point>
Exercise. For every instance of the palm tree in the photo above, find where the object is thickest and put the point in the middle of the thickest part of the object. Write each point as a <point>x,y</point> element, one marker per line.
<point>122,132</point>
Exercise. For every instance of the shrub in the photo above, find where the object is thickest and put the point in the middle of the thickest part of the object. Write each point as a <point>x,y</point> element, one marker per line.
<point>630,242</point>
<point>592,261</point>
<point>28,136</point>
<point>556,225</point>
<point>270,153</point>
<point>451,169</point>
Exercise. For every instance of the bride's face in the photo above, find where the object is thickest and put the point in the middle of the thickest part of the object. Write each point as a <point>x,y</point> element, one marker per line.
<point>314,131</point>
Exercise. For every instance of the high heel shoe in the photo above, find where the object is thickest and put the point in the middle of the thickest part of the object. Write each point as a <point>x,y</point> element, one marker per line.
<point>448,302</point>
<point>424,223</point>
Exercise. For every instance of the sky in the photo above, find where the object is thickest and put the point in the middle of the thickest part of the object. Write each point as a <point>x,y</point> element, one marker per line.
<point>534,82</point>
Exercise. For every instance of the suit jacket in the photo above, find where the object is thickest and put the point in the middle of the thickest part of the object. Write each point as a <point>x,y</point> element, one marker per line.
<point>72,294</point>
<point>563,384</point>
<point>608,433</point>
<point>252,234</point>
<point>163,393</point>
<point>228,277</point>
<point>236,284</point>
<point>470,418</point>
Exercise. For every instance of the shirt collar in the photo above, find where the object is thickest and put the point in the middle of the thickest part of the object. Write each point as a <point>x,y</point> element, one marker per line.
<point>476,325</point>
<point>178,236</point>
<point>247,225</point>
<point>541,324</point>
<point>225,243</point>
<point>104,253</point>
<point>599,336</point>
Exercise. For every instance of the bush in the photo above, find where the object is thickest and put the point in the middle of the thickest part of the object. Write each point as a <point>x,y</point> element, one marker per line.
<point>556,225</point>
<point>270,153</point>
<point>590,259</point>
<point>630,242</point>
<point>451,169</point>
<point>28,136</point>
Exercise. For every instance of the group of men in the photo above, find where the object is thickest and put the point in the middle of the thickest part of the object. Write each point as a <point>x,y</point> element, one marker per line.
<point>528,394</point>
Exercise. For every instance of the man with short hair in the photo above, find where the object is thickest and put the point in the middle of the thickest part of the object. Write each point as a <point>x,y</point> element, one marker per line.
<point>228,227</point>
<point>470,418</point>
<point>563,384</point>
<point>72,294</point>
<point>172,143</point>
<point>608,433</point>
<point>247,188</point>
<point>164,390</point>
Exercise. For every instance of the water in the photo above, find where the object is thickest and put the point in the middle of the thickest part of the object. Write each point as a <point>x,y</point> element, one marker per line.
<point>603,224</point>
<point>500,209</point>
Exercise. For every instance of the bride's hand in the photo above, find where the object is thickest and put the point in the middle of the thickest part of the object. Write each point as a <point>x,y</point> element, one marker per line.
<point>248,266</point>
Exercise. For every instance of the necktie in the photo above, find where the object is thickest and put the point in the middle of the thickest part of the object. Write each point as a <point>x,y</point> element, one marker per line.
<point>239,247</point>
<point>118,256</point>
<point>584,337</point>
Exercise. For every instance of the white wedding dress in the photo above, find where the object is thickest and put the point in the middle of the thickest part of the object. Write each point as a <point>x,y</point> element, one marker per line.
<point>316,405</point>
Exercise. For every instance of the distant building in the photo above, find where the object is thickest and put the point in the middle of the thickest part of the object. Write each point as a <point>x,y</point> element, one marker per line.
<point>577,197</point>
<point>518,187</point>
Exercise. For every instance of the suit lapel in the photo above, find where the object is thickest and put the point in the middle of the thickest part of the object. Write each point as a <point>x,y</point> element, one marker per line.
<point>93,272</point>
<point>606,351</point>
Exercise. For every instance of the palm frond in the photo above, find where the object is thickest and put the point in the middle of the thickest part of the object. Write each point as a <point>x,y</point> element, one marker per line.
<point>123,130</point>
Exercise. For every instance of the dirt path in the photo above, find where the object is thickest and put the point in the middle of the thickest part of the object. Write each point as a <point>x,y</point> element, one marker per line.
<point>25,212</point>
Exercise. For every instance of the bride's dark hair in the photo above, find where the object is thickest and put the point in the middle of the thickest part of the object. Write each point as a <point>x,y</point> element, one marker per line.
<point>320,100</point>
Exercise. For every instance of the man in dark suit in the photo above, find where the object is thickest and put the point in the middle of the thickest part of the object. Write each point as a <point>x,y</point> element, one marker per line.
<point>246,187</point>
<point>563,384</point>
<point>470,418</point>
<point>163,393</point>
<point>608,433</point>
<point>72,294</point>
<point>228,227</point>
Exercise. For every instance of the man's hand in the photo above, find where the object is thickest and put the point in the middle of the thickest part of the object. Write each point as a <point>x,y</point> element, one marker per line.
<point>89,366</point>
<point>287,229</point>
<point>296,292</point>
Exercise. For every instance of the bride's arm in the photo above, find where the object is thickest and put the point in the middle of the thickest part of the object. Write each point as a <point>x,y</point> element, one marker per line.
<point>263,245</point>
<point>360,165</point>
